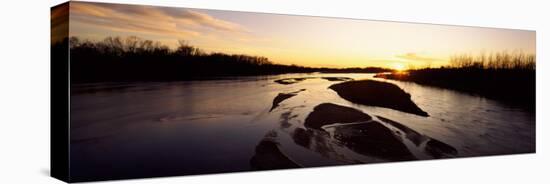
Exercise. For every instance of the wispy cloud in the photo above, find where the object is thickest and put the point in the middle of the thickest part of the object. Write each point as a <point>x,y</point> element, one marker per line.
<point>149,20</point>
<point>202,19</point>
<point>415,57</point>
<point>60,23</point>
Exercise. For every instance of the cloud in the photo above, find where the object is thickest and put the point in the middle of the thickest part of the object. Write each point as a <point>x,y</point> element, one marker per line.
<point>415,57</point>
<point>60,23</point>
<point>161,21</point>
<point>202,19</point>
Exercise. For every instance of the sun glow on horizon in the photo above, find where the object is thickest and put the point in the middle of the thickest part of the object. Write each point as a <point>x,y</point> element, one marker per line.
<point>399,67</point>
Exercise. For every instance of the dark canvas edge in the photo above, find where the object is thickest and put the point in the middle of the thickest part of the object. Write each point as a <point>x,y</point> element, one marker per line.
<point>59,101</point>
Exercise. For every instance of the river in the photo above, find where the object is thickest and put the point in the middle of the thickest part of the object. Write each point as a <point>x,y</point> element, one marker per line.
<point>124,130</point>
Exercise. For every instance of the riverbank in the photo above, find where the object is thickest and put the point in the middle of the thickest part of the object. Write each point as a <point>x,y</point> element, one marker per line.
<point>514,87</point>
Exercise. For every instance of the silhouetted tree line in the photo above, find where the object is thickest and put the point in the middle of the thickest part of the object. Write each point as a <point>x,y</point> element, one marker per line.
<point>135,59</point>
<point>494,61</point>
<point>502,76</point>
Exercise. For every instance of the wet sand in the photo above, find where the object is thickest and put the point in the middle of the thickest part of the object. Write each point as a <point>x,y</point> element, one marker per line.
<point>330,126</point>
<point>269,156</point>
<point>376,93</point>
<point>327,113</point>
<point>283,96</point>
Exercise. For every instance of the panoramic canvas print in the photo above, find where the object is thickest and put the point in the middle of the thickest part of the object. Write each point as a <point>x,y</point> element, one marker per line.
<point>164,91</point>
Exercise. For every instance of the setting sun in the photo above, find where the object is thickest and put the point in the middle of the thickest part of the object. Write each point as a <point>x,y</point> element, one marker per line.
<point>399,66</point>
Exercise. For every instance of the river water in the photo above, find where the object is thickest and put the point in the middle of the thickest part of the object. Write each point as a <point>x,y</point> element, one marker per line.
<point>125,130</point>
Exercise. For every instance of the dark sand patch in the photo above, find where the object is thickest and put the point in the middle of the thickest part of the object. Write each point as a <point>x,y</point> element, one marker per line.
<point>366,137</point>
<point>302,137</point>
<point>373,139</point>
<point>439,149</point>
<point>376,93</point>
<point>327,113</point>
<point>433,147</point>
<point>283,96</point>
<point>285,119</point>
<point>291,80</point>
<point>288,81</point>
<point>351,129</point>
<point>360,133</point>
<point>337,78</point>
<point>269,156</point>
<point>410,134</point>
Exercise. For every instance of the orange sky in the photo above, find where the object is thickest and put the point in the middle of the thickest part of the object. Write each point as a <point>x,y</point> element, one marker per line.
<point>301,40</point>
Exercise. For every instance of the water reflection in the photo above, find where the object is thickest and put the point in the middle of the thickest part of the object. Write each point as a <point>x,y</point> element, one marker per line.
<point>196,127</point>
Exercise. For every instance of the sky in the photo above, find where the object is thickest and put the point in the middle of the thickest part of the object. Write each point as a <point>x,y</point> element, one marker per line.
<point>301,40</point>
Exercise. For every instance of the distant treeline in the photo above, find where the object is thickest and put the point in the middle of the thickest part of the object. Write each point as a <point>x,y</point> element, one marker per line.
<point>494,61</point>
<point>507,77</point>
<point>134,59</point>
